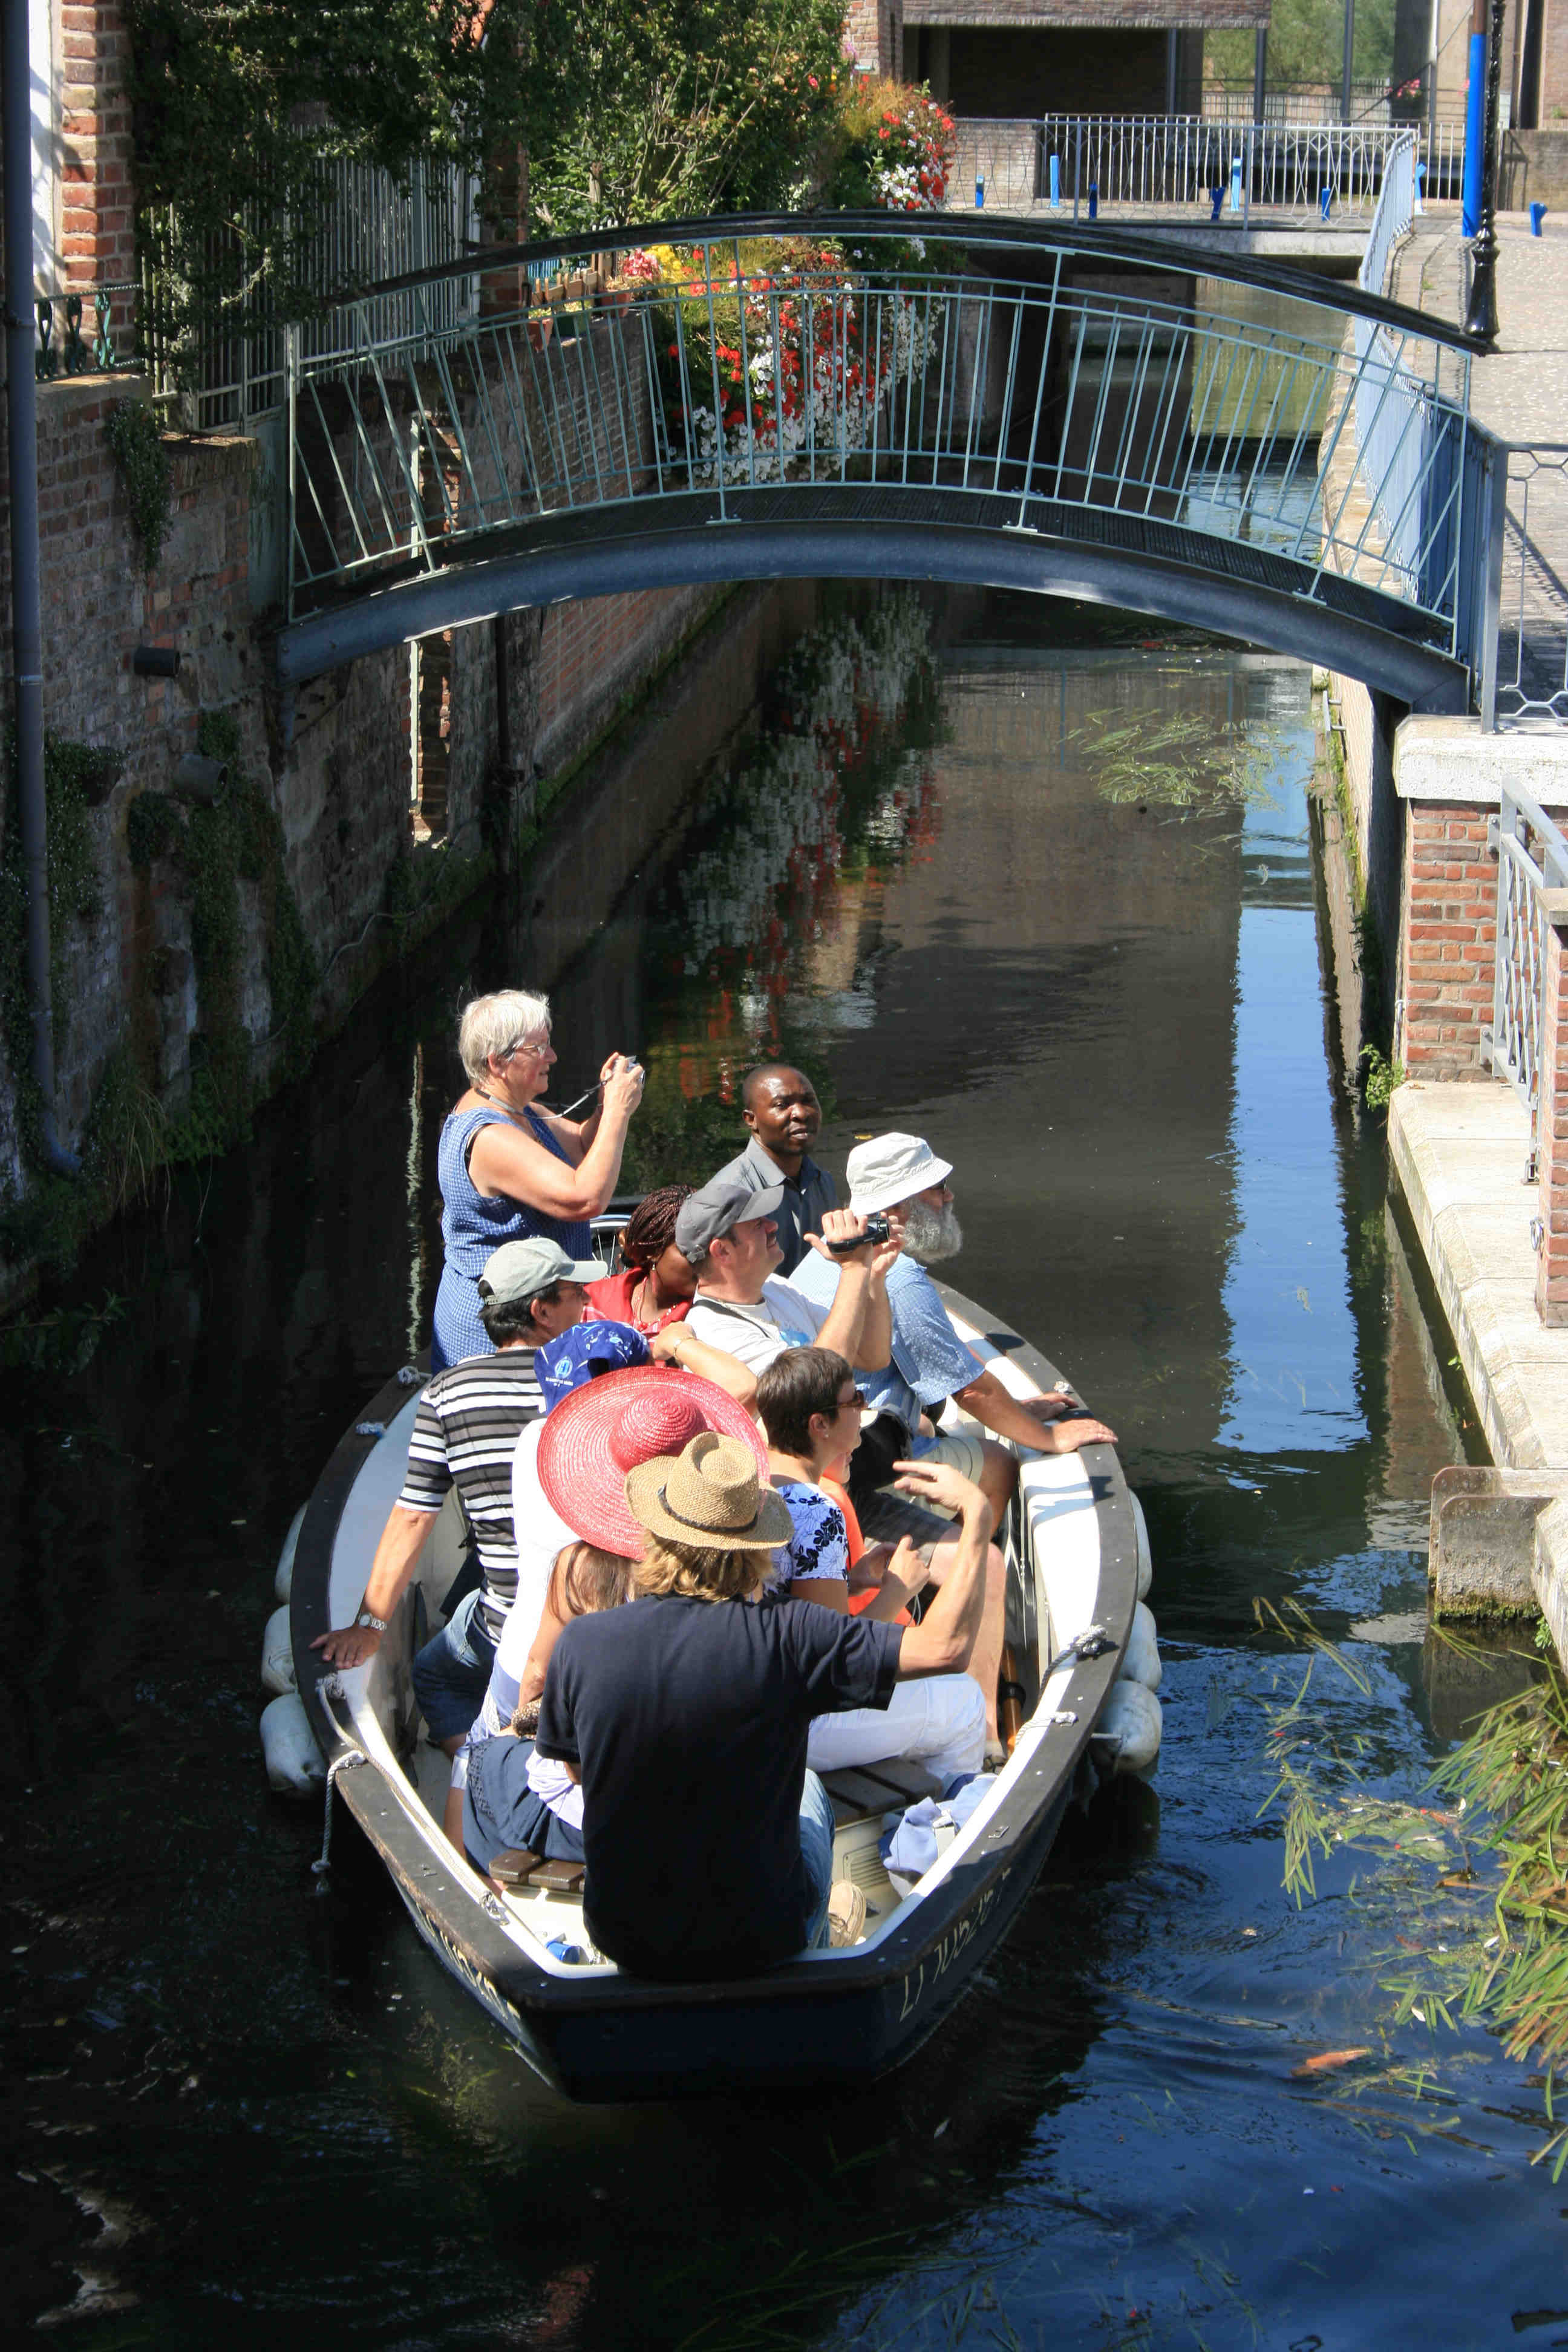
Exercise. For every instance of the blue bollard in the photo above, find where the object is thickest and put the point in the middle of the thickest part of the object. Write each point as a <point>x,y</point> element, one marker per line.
<point>1217,198</point>
<point>1094,200</point>
<point>980,195</point>
<point>1235,183</point>
<point>1325,200</point>
<point>1537,214</point>
<point>1420,186</point>
<point>1056,184</point>
<point>1475,137</point>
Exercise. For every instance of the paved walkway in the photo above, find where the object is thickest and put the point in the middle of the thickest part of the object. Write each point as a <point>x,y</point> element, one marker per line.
<point>1520,394</point>
<point>1460,1151</point>
<point>1459,1154</point>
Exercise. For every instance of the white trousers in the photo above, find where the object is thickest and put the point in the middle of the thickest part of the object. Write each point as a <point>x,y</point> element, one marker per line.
<point>940,1720</point>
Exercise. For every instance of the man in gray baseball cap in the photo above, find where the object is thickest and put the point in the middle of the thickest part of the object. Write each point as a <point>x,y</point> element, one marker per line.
<point>730,1234</point>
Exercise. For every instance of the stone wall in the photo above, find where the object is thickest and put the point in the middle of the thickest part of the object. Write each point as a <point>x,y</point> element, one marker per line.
<point>336,766</point>
<point>1533,165</point>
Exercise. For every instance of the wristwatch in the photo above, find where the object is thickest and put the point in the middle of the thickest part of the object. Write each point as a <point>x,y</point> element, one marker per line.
<point>375,1624</point>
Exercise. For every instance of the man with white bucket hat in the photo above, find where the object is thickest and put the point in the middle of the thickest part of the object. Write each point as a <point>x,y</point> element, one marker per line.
<point>903,1178</point>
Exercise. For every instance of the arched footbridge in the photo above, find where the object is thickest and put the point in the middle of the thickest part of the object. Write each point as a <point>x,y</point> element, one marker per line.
<point>1282,459</point>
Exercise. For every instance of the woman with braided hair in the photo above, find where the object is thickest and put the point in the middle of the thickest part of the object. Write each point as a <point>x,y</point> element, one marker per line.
<point>655,1283</point>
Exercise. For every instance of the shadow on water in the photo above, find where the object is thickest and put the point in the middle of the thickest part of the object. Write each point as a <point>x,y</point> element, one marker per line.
<point>1053,904</point>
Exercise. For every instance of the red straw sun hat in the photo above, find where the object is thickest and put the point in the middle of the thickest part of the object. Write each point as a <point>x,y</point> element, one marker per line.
<point>606,1427</point>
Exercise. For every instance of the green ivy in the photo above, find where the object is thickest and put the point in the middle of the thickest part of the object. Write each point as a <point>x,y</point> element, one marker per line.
<point>145,474</point>
<point>74,777</point>
<point>216,845</point>
<point>154,829</point>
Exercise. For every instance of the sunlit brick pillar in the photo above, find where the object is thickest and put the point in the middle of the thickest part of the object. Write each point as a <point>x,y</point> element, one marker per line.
<point>98,229</point>
<point>876,29</point>
<point>504,220</point>
<point>1447,951</point>
<point>1551,1119</point>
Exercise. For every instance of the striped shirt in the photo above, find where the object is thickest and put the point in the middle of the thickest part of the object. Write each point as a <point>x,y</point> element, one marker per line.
<point>464,1433</point>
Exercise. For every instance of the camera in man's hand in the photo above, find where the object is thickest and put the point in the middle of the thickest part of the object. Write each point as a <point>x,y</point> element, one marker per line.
<point>876,1230</point>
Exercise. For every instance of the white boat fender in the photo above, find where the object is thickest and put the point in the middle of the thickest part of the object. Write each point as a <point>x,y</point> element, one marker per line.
<point>1142,1662</point>
<point>278,1652</point>
<point>1145,1556</point>
<point>294,1763</point>
<point>1131,1725</point>
<point>283,1583</point>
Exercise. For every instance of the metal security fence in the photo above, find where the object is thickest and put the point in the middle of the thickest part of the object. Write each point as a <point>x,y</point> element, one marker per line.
<point>371,226</point>
<point>1152,166</point>
<point>1532,857</point>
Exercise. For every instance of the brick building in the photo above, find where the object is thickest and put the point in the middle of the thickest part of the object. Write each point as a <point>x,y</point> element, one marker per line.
<point>1011,58</point>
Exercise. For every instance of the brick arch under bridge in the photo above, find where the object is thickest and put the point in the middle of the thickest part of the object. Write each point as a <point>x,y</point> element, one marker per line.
<point>1011,405</point>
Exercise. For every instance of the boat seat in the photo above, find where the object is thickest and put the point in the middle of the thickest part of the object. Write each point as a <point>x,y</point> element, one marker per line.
<point>518,1868</point>
<point>885,1787</point>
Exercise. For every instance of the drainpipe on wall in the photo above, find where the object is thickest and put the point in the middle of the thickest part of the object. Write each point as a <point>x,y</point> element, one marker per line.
<point>26,633</point>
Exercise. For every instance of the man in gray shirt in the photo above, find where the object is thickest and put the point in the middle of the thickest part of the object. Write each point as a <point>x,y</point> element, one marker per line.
<point>779,1105</point>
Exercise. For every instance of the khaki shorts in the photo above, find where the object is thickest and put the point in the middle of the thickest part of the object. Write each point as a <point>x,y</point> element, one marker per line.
<point>895,1514</point>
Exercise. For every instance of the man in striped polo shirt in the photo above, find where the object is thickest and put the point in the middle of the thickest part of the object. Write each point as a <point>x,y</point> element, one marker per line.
<point>464,1433</point>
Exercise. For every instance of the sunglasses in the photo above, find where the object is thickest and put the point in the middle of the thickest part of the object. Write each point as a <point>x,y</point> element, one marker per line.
<point>855,1397</point>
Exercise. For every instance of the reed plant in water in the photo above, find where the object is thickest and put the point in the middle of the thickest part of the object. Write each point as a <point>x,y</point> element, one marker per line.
<point>1514,1765</point>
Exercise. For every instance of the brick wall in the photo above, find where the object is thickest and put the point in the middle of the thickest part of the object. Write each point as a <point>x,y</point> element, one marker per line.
<point>590,654</point>
<point>876,29</point>
<point>1447,938</point>
<point>96,225</point>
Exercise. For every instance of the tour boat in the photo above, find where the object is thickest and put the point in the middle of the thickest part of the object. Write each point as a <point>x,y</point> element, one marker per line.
<point>1078,1560</point>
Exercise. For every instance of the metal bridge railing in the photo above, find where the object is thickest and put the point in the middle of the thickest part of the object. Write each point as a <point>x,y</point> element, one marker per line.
<point>1149,165</point>
<point>1524,679</point>
<point>1532,857</point>
<point>918,362</point>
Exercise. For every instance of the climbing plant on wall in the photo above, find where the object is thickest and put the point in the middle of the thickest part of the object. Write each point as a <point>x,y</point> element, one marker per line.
<point>216,845</point>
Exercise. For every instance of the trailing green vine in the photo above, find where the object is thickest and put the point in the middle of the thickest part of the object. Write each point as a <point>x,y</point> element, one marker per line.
<point>136,444</point>
<point>75,775</point>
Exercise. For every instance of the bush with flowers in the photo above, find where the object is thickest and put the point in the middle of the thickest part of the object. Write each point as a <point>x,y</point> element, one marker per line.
<point>892,149</point>
<point>774,352</point>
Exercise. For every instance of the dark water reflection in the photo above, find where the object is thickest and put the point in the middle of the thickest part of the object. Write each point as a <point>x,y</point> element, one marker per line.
<point>997,895</point>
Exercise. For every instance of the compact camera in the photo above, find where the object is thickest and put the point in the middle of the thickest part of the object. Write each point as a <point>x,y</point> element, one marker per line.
<point>876,1230</point>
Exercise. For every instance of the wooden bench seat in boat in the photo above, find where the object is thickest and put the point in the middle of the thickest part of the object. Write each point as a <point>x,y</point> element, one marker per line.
<point>518,1868</point>
<point>857,1792</point>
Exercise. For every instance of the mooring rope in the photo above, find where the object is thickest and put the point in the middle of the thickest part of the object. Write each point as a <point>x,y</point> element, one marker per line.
<point>318,1870</point>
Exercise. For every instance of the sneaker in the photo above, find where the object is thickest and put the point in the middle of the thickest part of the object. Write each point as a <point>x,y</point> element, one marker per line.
<point>846,1914</point>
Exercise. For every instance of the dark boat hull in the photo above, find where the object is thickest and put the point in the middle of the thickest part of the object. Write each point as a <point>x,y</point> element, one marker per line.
<point>688,2048</point>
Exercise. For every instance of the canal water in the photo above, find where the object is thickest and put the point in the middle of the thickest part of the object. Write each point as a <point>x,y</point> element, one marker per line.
<point>1053,904</point>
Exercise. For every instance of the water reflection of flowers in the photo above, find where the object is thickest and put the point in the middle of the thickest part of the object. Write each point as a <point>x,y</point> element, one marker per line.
<point>843,689</point>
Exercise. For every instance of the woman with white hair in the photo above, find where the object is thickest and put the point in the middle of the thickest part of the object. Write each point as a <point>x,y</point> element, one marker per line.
<point>509,1169</point>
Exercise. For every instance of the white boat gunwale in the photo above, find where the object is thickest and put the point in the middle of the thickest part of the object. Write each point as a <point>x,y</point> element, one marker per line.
<point>467,1923</point>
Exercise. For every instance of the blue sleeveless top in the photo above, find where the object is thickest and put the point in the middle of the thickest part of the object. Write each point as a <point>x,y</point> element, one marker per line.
<point>474,1224</point>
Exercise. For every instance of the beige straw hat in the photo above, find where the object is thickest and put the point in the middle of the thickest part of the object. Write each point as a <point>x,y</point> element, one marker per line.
<point>709,1495</point>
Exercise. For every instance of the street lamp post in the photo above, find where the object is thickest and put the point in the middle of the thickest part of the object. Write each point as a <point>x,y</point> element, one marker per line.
<point>1481,317</point>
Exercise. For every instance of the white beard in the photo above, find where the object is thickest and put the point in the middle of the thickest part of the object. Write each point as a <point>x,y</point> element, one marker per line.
<point>931,1236</point>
